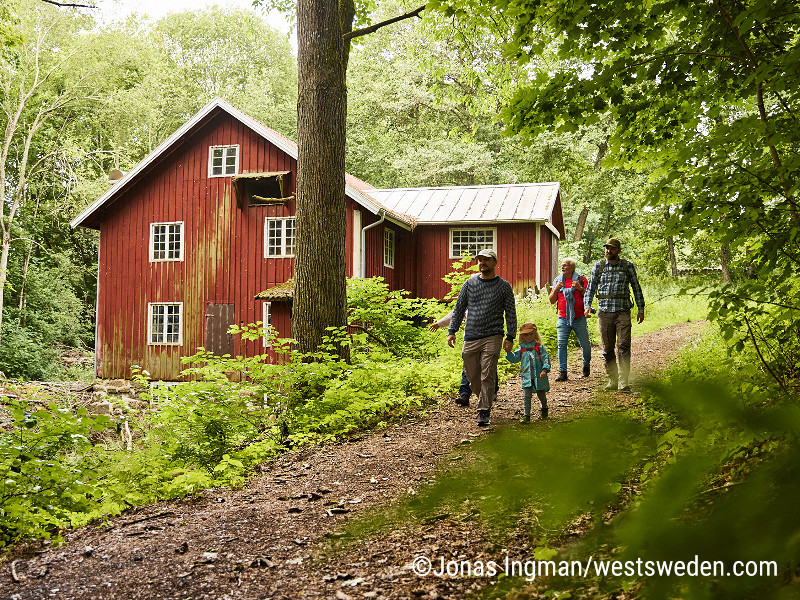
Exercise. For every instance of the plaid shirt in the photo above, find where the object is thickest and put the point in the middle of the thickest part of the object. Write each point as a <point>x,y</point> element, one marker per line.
<point>612,289</point>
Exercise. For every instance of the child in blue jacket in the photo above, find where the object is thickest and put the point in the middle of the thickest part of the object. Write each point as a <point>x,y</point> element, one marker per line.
<point>534,368</point>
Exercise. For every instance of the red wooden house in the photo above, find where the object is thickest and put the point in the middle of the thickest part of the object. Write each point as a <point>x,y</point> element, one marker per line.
<point>200,235</point>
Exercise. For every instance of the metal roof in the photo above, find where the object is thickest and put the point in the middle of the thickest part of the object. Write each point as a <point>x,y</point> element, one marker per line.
<point>533,202</point>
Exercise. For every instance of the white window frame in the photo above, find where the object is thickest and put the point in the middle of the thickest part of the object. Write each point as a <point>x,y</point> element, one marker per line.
<point>153,227</point>
<point>283,251</point>
<point>163,341</point>
<point>266,318</point>
<point>225,172</point>
<point>479,245</point>
<point>388,247</point>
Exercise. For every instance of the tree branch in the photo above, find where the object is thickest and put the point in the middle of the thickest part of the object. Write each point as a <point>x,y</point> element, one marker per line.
<point>763,360</point>
<point>372,28</point>
<point>60,5</point>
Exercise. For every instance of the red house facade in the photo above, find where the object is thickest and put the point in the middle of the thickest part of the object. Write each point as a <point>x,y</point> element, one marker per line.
<point>200,236</point>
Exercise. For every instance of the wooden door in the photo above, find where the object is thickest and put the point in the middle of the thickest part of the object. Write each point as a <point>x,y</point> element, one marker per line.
<point>219,318</point>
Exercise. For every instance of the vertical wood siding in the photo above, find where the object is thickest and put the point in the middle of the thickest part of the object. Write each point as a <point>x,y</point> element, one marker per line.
<point>223,251</point>
<point>516,253</point>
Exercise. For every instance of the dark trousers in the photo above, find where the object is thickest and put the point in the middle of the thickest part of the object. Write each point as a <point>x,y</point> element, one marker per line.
<point>615,334</point>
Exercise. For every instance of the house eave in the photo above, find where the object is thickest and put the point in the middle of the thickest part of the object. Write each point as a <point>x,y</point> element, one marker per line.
<point>484,222</point>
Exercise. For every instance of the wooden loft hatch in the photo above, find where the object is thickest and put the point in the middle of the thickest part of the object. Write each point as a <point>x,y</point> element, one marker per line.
<point>262,189</point>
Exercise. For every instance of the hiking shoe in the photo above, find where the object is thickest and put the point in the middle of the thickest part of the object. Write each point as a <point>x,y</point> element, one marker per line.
<point>525,419</point>
<point>462,400</point>
<point>483,418</point>
<point>623,385</point>
<point>562,376</point>
<point>545,412</point>
<point>611,385</point>
<point>585,370</point>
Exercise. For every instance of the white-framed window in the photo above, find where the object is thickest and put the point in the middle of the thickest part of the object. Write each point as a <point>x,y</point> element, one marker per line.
<point>472,241</point>
<point>279,237</point>
<point>267,321</point>
<point>166,242</point>
<point>223,161</point>
<point>165,323</point>
<point>388,248</point>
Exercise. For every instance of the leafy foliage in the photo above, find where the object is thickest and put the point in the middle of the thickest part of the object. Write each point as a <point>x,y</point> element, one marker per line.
<point>46,474</point>
<point>389,318</point>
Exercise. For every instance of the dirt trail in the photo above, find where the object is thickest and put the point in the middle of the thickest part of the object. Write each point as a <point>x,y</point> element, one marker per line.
<point>261,541</point>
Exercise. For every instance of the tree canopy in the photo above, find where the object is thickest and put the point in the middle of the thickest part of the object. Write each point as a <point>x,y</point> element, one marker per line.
<point>708,93</point>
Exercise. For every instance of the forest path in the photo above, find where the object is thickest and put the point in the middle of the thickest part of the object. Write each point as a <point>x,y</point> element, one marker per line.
<point>263,541</point>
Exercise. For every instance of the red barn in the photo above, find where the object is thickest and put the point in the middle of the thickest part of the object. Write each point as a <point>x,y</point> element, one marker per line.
<point>200,236</point>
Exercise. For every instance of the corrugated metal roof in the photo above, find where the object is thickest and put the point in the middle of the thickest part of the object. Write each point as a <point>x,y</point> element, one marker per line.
<point>472,204</point>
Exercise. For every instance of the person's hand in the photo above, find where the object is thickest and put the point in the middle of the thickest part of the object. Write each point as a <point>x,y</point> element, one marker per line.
<point>434,326</point>
<point>588,312</point>
<point>640,317</point>
<point>543,374</point>
<point>577,285</point>
<point>451,340</point>
<point>508,346</point>
<point>559,285</point>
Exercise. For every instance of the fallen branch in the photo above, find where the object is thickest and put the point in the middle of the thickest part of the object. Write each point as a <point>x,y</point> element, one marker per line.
<point>167,513</point>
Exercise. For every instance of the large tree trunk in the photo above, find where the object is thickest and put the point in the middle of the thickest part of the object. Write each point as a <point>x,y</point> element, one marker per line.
<point>320,295</point>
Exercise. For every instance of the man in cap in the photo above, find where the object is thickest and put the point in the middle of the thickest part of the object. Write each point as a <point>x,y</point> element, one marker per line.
<point>488,298</point>
<point>611,279</point>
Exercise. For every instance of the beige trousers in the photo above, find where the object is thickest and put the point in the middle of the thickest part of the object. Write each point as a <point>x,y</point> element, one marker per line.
<point>480,364</point>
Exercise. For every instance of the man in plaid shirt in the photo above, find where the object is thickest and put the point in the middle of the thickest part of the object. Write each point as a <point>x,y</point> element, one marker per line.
<point>610,279</point>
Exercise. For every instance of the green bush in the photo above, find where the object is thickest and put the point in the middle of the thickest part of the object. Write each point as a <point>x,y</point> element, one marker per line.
<point>24,355</point>
<point>390,319</point>
<point>47,474</point>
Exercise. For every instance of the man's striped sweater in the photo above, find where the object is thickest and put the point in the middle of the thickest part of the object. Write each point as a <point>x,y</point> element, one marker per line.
<point>487,300</point>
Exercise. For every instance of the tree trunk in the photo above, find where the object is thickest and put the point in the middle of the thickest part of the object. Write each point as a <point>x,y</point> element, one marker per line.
<point>581,224</point>
<point>673,263</point>
<point>725,263</point>
<point>6,248</point>
<point>320,295</point>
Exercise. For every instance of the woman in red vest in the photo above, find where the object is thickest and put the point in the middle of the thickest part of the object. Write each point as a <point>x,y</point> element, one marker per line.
<point>568,291</point>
